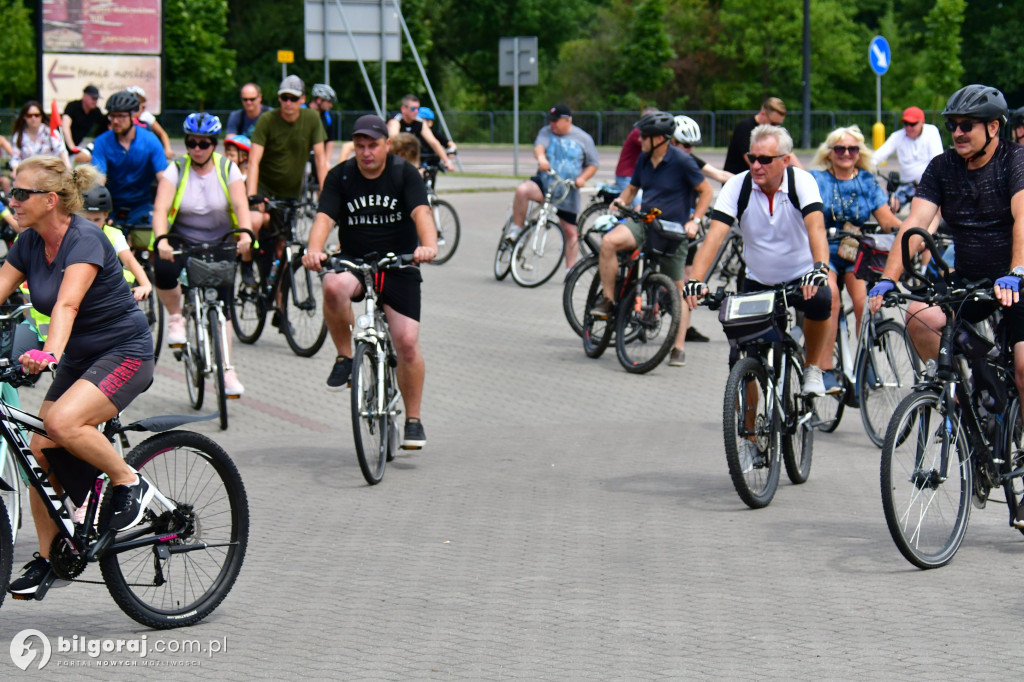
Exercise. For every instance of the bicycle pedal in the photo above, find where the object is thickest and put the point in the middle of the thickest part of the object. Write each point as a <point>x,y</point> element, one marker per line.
<point>410,447</point>
<point>233,397</point>
<point>176,345</point>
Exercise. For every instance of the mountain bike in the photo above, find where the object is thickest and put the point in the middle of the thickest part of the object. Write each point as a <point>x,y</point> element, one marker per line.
<point>765,419</point>
<point>284,287</point>
<point>959,434</point>
<point>176,566</point>
<point>10,317</point>
<point>599,206</point>
<point>208,267</point>
<point>445,218</point>
<point>375,395</point>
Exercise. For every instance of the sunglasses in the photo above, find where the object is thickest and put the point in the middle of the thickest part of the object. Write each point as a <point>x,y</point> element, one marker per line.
<point>763,160</point>
<point>908,124</point>
<point>249,99</point>
<point>416,108</point>
<point>687,145</point>
<point>962,126</point>
<point>852,150</point>
<point>202,144</point>
<point>22,194</point>
<point>288,98</point>
<point>35,115</point>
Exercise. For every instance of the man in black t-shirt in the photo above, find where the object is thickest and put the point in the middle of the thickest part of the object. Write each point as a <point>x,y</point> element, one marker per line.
<point>773,112</point>
<point>83,118</point>
<point>379,203</point>
<point>409,121</point>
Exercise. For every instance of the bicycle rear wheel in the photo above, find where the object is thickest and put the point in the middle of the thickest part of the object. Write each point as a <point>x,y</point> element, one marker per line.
<point>1014,449</point>
<point>6,551</point>
<point>11,498</point>
<point>448,230</point>
<point>195,364</point>
<point>248,310</point>
<point>537,254</point>
<point>828,408</point>
<point>369,426</point>
<point>750,444</point>
<point>218,367</point>
<point>597,331</point>
<point>926,479</point>
<point>646,326</point>
<point>886,372</point>
<point>503,256</point>
<point>576,289</point>
<point>799,418</point>
<point>155,319</point>
<point>585,223</point>
<point>302,298</point>
<point>161,589</point>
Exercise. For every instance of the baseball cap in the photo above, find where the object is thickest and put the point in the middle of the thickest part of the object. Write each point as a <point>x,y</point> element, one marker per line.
<point>913,115</point>
<point>292,85</point>
<point>371,126</point>
<point>559,111</point>
<point>92,91</point>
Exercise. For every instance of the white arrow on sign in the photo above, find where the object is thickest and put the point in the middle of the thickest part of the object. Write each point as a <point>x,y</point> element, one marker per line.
<point>879,56</point>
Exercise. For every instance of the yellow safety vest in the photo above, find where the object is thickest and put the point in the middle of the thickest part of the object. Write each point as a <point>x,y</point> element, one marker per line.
<point>222,166</point>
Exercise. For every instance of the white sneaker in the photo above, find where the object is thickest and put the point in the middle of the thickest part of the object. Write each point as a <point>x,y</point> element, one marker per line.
<point>748,451</point>
<point>232,386</point>
<point>175,330</point>
<point>512,233</point>
<point>813,383</point>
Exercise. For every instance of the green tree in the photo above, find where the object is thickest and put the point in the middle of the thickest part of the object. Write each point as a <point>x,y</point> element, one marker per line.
<point>18,58</point>
<point>939,70</point>
<point>992,25</point>
<point>199,67</point>
<point>642,66</point>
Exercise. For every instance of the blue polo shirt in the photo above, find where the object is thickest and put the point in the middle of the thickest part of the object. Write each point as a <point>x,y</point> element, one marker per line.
<point>130,172</point>
<point>670,186</point>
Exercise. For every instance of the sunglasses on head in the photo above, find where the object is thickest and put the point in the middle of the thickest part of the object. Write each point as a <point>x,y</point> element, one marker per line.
<point>288,98</point>
<point>852,150</point>
<point>762,159</point>
<point>192,143</point>
<point>962,126</point>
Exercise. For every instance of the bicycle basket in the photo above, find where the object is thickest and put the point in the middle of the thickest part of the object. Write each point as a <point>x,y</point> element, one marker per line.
<point>747,318</point>
<point>664,237</point>
<point>202,273</point>
<point>871,255</point>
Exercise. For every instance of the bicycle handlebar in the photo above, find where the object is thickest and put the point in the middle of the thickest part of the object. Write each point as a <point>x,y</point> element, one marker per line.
<point>369,263</point>
<point>189,249</point>
<point>714,301</point>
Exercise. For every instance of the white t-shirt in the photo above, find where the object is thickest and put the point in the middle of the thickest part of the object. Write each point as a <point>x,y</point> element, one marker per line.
<point>776,245</point>
<point>203,213</point>
<point>913,154</point>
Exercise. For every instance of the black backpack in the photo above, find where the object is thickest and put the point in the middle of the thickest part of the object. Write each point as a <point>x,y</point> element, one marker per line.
<point>748,185</point>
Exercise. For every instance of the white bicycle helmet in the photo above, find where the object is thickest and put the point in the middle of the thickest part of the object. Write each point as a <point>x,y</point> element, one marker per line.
<point>687,130</point>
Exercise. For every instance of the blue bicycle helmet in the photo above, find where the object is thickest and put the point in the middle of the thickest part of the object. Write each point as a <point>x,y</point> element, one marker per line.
<point>201,123</point>
<point>426,113</point>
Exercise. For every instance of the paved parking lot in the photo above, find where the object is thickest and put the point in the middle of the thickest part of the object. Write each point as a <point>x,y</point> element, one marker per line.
<point>565,521</point>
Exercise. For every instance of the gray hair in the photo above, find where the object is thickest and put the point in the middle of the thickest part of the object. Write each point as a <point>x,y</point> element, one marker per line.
<point>782,138</point>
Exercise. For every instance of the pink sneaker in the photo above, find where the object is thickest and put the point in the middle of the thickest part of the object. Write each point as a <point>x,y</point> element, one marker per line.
<point>175,330</point>
<point>232,386</point>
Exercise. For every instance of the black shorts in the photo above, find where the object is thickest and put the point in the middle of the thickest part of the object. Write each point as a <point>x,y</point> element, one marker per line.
<point>976,311</point>
<point>567,216</point>
<point>400,291</point>
<point>818,308</point>
<point>122,379</point>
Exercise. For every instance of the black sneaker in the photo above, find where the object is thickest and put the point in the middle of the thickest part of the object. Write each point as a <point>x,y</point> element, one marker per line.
<point>415,436</point>
<point>277,321</point>
<point>603,309</point>
<point>340,374</point>
<point>129,504</point>
<point>34,573</point>
<point>693,335</point>
<point>248,278</point>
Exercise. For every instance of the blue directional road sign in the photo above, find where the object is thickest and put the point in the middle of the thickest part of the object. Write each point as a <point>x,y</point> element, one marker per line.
<point>879,55</point>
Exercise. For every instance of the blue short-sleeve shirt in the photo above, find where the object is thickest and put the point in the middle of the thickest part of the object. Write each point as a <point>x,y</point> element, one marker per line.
<point>130,172</point>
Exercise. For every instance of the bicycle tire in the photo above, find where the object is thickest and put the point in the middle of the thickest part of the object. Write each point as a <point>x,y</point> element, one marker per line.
<point>642,337</point>
<point>155,315</point>
<point>503,257</point>
<point>798,434</point>
<point>585,223</point>
<point>1014,459</point>
<point>248,308</point>
<point>196,473</point>
<point>597,331</point>
<point>828,408</point>
<point>304,326</point>
<point>11,498</point>
<point>305,213</point>
<point>754,469</point>
<point>216,338</point>
<point>535,256</point>
<point>576,289</point>
<point>369,428</point>
<point>448,230</point>
<point>886,373</point>
<point>6,551</point>
<point>195,364</point>
<point>926,507</point>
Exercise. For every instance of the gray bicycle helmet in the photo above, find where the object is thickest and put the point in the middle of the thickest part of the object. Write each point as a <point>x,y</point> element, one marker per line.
<point>656,123</point>
<point>981,102</point>
<point>97,198</point>
<point>1016,118</point>
<point>324,91</point>
<point>687,130</point>
<point>122,101</point>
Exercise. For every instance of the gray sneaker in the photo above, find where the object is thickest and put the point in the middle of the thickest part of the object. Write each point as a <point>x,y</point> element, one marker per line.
<point>677,358</point>
<point>602,309</point>
<point>813,383</point>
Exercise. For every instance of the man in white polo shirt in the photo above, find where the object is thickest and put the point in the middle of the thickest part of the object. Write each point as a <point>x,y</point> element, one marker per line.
<point>784,238</point>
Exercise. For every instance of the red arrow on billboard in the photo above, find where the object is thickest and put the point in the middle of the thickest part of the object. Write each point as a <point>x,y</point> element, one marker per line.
<point>54,76</point>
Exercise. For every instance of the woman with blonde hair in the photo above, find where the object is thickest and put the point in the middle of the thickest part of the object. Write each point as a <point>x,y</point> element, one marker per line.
<point>850,197</point>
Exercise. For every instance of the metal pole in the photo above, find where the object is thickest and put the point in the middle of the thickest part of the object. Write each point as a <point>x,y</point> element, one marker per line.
<point>806,143</point>
<point>426,81</point>
<point>878,98</point>
<point>383,59</point>
<point>515,106</point>
<point>362,66</point>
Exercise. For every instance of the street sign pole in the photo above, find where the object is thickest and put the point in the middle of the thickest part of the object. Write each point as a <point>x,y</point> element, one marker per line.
<point>879,57</point>
<point>515,106</point>
<point>515,73</point>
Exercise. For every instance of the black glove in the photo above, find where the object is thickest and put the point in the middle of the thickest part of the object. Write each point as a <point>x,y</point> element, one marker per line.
<point>695,288</point>
<point>814,278</point>
<point>255,200</point>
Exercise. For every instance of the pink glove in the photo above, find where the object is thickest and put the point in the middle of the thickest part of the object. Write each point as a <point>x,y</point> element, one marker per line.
<point>40,356</point>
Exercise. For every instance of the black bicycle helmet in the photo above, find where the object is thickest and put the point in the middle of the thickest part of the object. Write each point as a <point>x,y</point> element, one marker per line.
<point>656,123</point>
<point>122,101</point>
<point>1016,118</point>
<point>97,199</point>
<point>980,102</point>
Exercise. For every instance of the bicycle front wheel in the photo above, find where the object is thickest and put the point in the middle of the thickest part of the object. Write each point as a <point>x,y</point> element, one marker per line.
<point>248,310</point>
<point>886,372</point>
<point>538,253</point>
<point>750,445</point>
<point>216,339</point>
<point>502,257</point>
<point>447,222</point>
<point>195,364</point>
<point>590,242</point>
<point>369,421</point>
<point>926,480</point>
<point>799,420</point>
<point>6,551</point>
<point>11,498</point>
<point>302,298</point>
<point>575,290</point>
<point>597,331</point>
<point>169,589</point>
<point>646,323</point>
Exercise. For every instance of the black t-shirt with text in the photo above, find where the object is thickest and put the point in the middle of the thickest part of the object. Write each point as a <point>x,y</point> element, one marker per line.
<point>374,216</point>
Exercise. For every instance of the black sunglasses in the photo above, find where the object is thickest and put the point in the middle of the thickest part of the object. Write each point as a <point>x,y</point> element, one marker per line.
<point>852,150</point>
<point>250,99</point>
<point>192,143</point>
<point>763,160</point>
<point>22,194</point>
<point>288,98</point>
<point>908,124</point>
<point>963,126</point>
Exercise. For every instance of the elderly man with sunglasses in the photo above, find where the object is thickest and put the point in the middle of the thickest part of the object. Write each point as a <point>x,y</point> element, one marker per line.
<point>915,144</point>
<point>783,242</point>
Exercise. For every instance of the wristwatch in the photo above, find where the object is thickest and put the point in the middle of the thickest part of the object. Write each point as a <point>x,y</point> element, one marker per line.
<point>1018,271</point>
<point>820,265</point>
